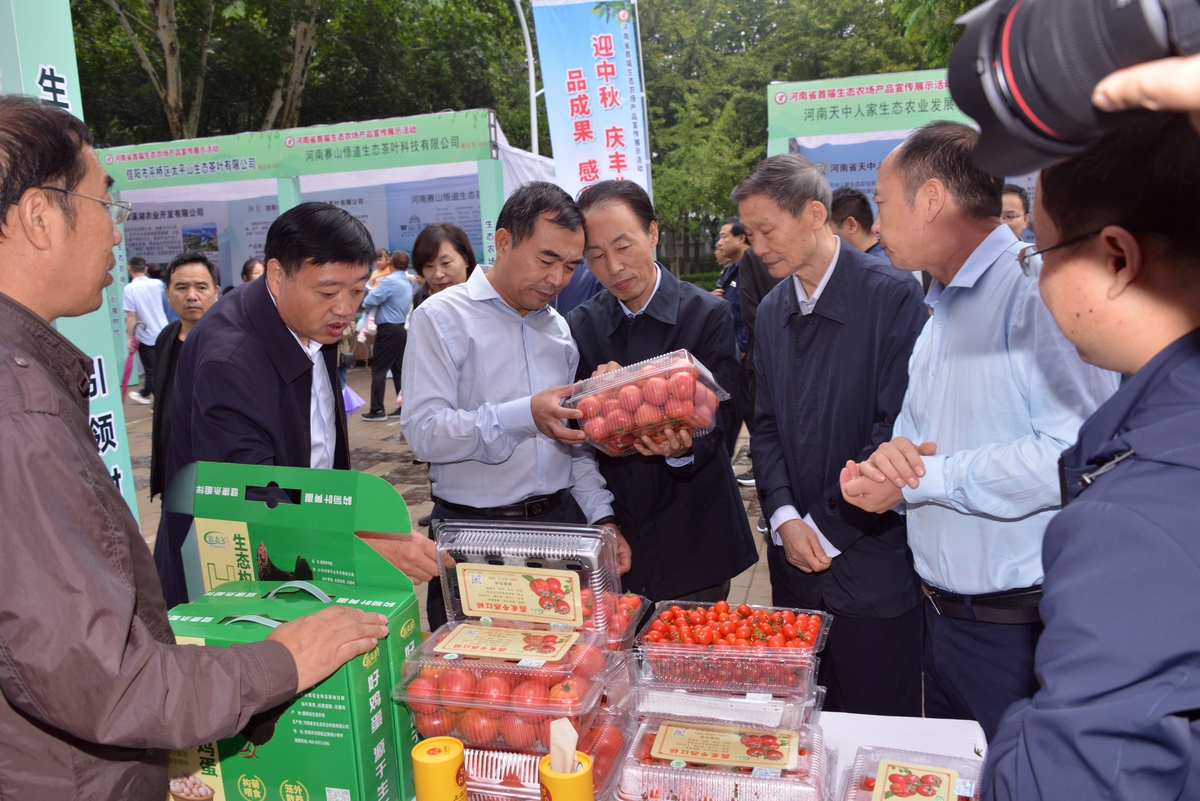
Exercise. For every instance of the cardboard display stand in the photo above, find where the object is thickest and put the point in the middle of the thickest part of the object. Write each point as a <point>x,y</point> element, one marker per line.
<point>275,543</point>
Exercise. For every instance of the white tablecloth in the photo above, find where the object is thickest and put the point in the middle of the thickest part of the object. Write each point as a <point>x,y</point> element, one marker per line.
<point>845,732</point>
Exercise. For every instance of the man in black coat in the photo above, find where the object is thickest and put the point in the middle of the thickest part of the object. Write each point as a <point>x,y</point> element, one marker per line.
<point>677,502</point>
<point>256,381</point>
<point>833,341</point>
<point>193,283</point>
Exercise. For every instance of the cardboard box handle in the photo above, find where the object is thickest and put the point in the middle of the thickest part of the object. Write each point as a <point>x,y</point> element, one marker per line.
<point>311,589</point>
<point>272,495</point>
<point>264,621</point>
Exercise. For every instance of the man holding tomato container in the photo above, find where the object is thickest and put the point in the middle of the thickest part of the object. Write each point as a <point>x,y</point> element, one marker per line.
<point>491,364</point>
<point>834,339</point>
<point>677,500</point>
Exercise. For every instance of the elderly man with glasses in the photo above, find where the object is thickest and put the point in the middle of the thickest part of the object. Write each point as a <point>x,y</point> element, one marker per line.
<point>995,394</point>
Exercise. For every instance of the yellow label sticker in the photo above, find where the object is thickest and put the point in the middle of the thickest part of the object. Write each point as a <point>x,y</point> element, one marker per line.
<point>224,551</point>
<point>471,640</point>
<point>520,593</point>
<point>909,780</point>
<point>726,745</point>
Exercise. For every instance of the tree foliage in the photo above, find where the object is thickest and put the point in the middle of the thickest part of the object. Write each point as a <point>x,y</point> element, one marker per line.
<point>933,20</point>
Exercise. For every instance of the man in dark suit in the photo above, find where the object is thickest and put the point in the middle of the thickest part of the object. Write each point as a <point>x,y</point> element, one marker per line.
<point>677,502</point>
<point>833,341</point>
<point>256,380</point>
<point>192,283</point>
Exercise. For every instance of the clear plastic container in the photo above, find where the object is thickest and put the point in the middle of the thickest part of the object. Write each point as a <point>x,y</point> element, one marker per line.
<point>499,686</point>
<point>862,779</point>
<point>556,574</point>
<point>512,774</point>
<point>644,399</point>
<point>692,762</point>
<point>775,669</point>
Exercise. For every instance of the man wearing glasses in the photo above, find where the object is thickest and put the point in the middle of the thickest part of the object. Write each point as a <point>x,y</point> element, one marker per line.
<point>995,394</point>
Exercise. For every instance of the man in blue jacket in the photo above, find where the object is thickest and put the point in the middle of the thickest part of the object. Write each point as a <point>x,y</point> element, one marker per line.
<point>1117,715</point>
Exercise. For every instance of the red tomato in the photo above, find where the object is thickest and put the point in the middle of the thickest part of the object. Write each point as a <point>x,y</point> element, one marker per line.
<point>658,626</point>
<point>589,405</point>
<point>423,695</point>
<point>744,610</point>
<point>705,638</point>
<point>682,386</point>
<point>438,724</point>
<point>621,421</point>
<point>654,636</point>
<point>869,783</point>
<point>656,391</point>
<point>597,428</point>
<point>518,733</point>
<point>666,615</point>
<point>630,398</point>
<point>789,631</point>
<point>926,790</point>
<point>930,779</point>
<point>492,691</point>
<point>632,600</point>
<point>609,406</point>
<point>533,696</point>
<point>567,693</point>
<point>477,727</point>
<point>604,740</point>
<point>677,409</point>
<point>456,685</point>
<point>586,661</point>
<point>702,415</point>
<point>721,606</point>
<point>647,415</point>
<point>562,607</point>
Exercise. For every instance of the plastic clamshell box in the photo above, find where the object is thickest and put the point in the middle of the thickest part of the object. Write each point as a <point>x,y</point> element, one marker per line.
<point>866,765</point>
<point>644,399</point>
<point>514,774</point>
<point>693,762</point>
<point>441,683</point>
<point>786,671</point>
<point>553,574</point>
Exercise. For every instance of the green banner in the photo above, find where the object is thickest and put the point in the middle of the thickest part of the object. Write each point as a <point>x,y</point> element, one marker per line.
<point>37,58</point>
<point>374,145</point>
<point>899,102</point>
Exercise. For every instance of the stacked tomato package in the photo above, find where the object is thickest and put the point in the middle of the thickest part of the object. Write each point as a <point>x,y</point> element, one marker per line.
<point>535,615</point>
<point>645,399</point>
<point>894,773</point>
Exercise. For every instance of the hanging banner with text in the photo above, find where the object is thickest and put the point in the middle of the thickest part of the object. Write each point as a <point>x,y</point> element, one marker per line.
<point>595,98</point>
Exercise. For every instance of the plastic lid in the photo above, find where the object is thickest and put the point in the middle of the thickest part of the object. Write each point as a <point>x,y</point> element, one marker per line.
<point>861,781</point>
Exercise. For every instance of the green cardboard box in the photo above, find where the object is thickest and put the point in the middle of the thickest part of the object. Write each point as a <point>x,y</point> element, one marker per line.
<point>258,527</point>
<point>334,742</point>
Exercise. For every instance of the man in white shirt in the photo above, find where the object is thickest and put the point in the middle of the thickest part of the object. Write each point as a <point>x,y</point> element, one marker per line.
<point>145,304</point>
<point>256,379</point>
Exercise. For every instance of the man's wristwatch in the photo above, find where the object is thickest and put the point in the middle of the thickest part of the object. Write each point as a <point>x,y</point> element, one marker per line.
<point>608,520</point>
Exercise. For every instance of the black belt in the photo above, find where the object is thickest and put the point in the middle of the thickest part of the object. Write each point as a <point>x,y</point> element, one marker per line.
<point>527,509</point>
<point>1010,607</point>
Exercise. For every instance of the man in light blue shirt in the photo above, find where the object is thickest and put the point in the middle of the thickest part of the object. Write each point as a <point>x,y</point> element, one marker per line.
<point>391,299</point>
<point>995,394</point>
<point>488,366</point>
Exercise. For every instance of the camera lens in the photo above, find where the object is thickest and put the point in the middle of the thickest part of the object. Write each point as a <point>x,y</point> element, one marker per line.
<point>1025,71</point>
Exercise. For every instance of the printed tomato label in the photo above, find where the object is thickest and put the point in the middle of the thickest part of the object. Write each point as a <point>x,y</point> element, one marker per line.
<point>726,745</point>
<point>471,640</point>
<point>520,593</point>
<point>907,780</point>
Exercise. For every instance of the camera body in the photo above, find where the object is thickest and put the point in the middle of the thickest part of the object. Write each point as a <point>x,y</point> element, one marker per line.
<point>1025,70</point>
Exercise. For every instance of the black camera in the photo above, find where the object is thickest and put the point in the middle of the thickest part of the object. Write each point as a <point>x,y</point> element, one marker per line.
<point>1025,70</point>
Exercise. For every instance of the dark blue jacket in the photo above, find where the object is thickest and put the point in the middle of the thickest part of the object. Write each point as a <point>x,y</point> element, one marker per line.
<point>242,391</point>
<point>1119,660</point>
<point>686,525</point>
<point>733,295</point>
<point>583,286</point>
<point>830,386</point>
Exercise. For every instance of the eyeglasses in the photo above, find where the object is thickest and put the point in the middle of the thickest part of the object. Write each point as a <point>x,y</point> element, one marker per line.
<point>1025,255</point>
<point>1010,216</point>
<point>118,210</point>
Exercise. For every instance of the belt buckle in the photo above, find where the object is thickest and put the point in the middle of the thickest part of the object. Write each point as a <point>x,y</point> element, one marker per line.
<point>536,508</point>
<point>932,596</point>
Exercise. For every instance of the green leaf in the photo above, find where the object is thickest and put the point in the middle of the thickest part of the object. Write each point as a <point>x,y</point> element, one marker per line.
<point>235,10</point>
<point>527,578</point>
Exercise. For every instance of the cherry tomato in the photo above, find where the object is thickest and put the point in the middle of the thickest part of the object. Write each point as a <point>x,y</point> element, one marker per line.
<point>721,606</point>
<point>706,637</point>
<point>789,631</point>
<point>744,610</point>
<point>927,790</point>
<point>654,636</point>
<point>930,779</point>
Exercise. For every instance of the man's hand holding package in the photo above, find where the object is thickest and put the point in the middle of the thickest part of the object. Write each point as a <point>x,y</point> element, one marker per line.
<point>548,414</point>
<point>415,555</point>
<point>324,641</point>
<point>624,552</point>
<point>802,548</point>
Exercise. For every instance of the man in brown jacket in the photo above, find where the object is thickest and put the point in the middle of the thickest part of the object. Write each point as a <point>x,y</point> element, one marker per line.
<point>94,688</point>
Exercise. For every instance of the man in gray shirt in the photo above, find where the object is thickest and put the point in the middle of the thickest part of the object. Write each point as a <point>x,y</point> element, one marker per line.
<point>487,366</point>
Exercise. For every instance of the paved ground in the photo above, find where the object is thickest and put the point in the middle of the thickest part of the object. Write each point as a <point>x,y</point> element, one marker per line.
<point>380,449</point>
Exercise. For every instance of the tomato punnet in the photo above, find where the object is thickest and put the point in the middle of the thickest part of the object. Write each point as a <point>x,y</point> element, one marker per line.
<point>477,727</point>
<point>423,695</point>
<point>630,398</point>
<point>517,732</point>
<point>656,391</point>
<point>456,685</point>
<point>589,405</point>
<point>438,724</point>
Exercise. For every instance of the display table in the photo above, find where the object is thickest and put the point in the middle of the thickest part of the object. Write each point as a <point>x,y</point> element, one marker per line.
<point>845,732</point>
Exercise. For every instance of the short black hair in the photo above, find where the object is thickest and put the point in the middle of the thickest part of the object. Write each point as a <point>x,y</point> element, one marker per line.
<point>1140,175</point>
<point>626,192</point>
<point>849,202</point>
<point>248,267</point>
<point>40,145</point>
<point>399,261</point>
<point>191,257</point>
<point>523,208</point>
<point>429,243</point>
<point>944,150</point>
<point>137,264</point>
<point>318,234</point>
<point>1019,191</point>
<point>735,227</point>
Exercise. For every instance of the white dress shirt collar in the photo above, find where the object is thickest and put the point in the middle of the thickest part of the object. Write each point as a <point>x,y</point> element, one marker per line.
<point>807,304</point>
<point>657,281</point>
